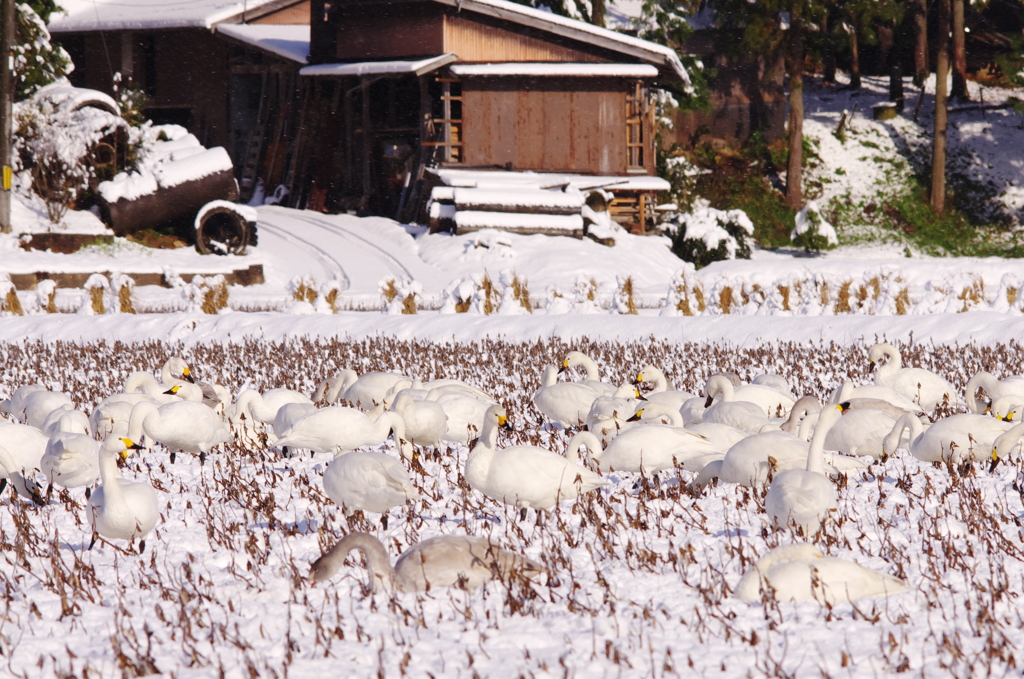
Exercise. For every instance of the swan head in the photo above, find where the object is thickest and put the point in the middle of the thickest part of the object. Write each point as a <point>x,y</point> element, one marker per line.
<point>881,349</point>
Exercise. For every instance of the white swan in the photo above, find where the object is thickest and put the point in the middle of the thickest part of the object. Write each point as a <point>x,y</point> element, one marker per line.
<point>15,405</point>
<point>662,392</point>
<point>770,403</point>
<point>443,561</point>
<point>185,425</point>
<point>339,429</point>
<point>876,397</point>
<point>958,438</point>
<point>609,414</point>
<point>721,407</point>
<point>567,403</point>
<point>110,417</point>
<point>71,460</point>
<point>1005,443</point>
<point>861,431</point>
<point>921,386</point>
<point>21,451</point>
<point>1008,408</point>
<point>651,448</point>
<point>366,391</point>
<point>804,498</point>
<point>593,378</point>
<point>1012,387</point>
<point>425,421</point>
<point>776,382</point>
<point>693,410</point>
<point>750,461</point>
<point>121,509</point>
<point>799,572</point>
<point>370,482</point>
<point>253,405</point>
<point>465,413</point>
<point>524,476</point>
<point>39,405</point>
<point>67,420</point>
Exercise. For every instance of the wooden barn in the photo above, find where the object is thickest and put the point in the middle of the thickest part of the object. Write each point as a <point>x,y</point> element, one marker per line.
<point>367,105</point>
<point>403,86</point>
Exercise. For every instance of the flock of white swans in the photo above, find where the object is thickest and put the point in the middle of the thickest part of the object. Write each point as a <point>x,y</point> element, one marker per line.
<point>760,435</point>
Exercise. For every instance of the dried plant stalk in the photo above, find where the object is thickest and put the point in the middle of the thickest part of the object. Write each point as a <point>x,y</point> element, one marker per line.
<point>12,304</point>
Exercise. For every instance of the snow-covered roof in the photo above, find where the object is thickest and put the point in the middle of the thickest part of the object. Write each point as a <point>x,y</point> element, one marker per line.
<point>64,95</point>
<point>576,30</point>
<point>380,67</point>
<point>557,69</point>
<point>286,40</point>
<point>111,15</point>
<point>489,179</point>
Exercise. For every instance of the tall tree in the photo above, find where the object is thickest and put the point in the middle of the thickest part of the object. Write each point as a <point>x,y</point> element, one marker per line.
<point>938,196</point>
<point>959,60</point>
<point>919,11</point>
<point>795,167</point>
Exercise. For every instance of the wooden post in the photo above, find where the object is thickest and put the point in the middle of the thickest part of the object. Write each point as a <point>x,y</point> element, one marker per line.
<point>367,143</point>
<point>7,39</point>
<point>938,196</point>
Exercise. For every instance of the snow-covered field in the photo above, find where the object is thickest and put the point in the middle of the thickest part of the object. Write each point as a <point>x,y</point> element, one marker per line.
<point>639,575</point>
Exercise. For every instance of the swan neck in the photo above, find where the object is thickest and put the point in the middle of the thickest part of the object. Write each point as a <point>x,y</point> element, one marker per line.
<point>584,439</point>
<point>109,477</point>
<point>382,574</point>
<point>137,421</point>
<point>816,451</point>
<point>1008,439</point>
<point>981,379</point>
<point>549,377</point>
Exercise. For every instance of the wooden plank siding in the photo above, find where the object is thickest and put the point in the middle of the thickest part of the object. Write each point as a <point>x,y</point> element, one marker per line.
<point>400,31</point>
<point>482,40</point>
<point>546,124</point>
<point>293,14</point>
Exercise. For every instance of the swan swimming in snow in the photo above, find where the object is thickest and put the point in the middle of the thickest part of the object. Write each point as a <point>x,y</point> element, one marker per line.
<point>443,561</point>
<point>800,572</point>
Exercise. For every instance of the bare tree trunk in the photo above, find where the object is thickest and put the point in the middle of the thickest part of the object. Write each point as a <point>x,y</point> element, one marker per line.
<point>828,51</point>
<point>794,171</point>
<point>597,16</point>
<point>959,54</point>
<point>938,197</point>
<point>919,8</point>
<point>854,60</point>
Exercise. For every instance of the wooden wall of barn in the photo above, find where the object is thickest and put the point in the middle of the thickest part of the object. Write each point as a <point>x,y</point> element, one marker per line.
<point>550,124</point>
<point>184,73</point>
<point>477,39</point>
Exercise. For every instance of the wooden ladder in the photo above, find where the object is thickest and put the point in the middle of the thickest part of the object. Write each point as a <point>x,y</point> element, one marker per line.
<point>257,139</point>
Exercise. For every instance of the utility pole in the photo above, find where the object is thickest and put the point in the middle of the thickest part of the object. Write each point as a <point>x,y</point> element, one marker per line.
<point>6,110</point>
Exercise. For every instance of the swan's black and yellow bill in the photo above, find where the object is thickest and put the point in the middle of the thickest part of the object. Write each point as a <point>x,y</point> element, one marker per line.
<point>636,416</point>
<point>995,460</point>
<point>129,445</point>
<point>187,374</point>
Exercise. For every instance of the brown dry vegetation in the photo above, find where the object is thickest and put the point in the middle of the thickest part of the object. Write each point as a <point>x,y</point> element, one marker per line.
<point>639,576</point>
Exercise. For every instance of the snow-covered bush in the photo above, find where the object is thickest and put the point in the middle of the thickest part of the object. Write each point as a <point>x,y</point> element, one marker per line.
<point>97,296</point>
<point>206,294</point>
<point>37,62</point>
<point>10,305</point>
<point>123,289</point>
<point>586,290</point>
<point>707,235</point>
<point>400,296</point>
<point>59,147</point>
<point>458,296</point>
<point>624,301</point>
<point>812,232</point>
<point>685,294</point>
<point>556,302</point>
<point>46,293</point>
<point>515,297</point>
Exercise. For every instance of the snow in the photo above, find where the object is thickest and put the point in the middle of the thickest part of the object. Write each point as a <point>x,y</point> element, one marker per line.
<point>554,200</point>
<point>111,15</point>
<point>418,67</point>
<point>483,179</point>
<point>809,220</point>
<point>477,219</point>
<point>182,165</point>
<point>288,41</point>
<point>556,69</point>
<point>64,95</point>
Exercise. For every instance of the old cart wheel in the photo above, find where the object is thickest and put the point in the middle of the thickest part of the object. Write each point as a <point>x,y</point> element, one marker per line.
<point>222,231</point>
